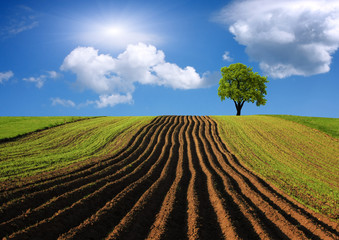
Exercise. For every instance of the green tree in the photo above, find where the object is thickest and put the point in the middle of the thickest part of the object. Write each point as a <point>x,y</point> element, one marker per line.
<point>241,84</point>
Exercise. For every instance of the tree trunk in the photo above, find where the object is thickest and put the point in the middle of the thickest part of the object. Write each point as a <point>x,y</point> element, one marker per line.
<point>238,111</point>
<point>238,106</point>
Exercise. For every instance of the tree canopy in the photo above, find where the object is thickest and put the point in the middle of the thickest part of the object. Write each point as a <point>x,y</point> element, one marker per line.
<point>241,84</point>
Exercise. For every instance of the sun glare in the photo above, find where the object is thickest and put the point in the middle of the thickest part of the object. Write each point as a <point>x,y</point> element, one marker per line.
<point>115,34</point>
<point>113,31</point>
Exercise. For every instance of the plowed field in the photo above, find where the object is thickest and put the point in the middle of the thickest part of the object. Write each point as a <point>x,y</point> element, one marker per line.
<point>175,180</point>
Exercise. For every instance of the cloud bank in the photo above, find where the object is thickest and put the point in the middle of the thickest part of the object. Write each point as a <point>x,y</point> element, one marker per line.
<point>287,37</point>
<point>5,76</point>
<point>114,78</point>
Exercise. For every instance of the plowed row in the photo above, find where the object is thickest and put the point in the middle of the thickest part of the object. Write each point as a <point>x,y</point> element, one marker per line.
<point>174,180</point>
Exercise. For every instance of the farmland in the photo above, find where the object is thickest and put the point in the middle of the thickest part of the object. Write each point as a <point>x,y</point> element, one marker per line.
<point>11,127</point>
<point>326,125</point>
<point>169,177</point>
<point>66,144</point>
<point>301,161</point>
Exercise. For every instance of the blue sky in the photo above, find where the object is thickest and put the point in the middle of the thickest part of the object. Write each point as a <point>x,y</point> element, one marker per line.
<point>118,58</point>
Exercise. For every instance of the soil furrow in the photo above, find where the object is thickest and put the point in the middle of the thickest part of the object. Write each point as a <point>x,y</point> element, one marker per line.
<point>248,211</point>
<point>136,224</point>
<point>209,214</point>
<point>170,222</point>
<point>114,210</point>
<point>193,221</point>
<point>64,175</point>
<point>72,216</point>
<point>49,208</point>
<point>228,217</point>
<point>266,210</point>
<point>312,226</point>
<point>18,206</point>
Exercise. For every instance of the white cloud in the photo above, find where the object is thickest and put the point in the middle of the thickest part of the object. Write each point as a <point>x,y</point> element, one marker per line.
<point>5,76</point>
<point>175,77</point>
<point>53,74</point>
<point>287,37</point>
<point>114,99</point>
<point>39,81</point>
<point>136,63</point>
<point>114,78</point>
<point>93,70</point>
<point>227,57</point>
<point>63,102</point>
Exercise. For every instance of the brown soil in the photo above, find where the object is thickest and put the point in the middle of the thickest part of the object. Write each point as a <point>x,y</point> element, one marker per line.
<point>175,180</point>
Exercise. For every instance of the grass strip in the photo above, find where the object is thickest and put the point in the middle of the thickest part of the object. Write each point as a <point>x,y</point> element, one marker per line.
<point>12,127</point>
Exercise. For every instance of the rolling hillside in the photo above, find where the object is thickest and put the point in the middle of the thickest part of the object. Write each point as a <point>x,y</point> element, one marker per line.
<point>173,177</point>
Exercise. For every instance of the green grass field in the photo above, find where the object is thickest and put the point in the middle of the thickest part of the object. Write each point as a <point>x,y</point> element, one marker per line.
<point>300,160</point>
<point>16,126</point>
<point>65,144</point>
<point>327,125</point>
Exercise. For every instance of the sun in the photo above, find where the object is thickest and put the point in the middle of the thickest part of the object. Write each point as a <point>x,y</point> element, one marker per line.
<point>113,31</point>
<point>115,35</point>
